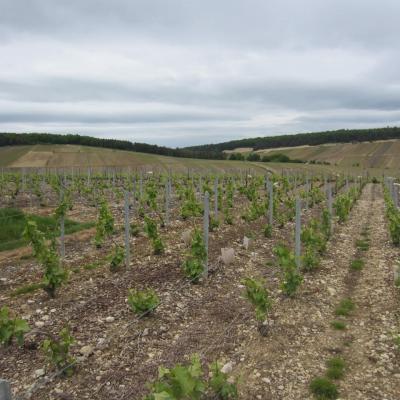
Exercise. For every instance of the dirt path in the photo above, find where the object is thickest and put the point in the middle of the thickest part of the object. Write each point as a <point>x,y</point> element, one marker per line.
<point>282,365</point>
<point>374,367</point>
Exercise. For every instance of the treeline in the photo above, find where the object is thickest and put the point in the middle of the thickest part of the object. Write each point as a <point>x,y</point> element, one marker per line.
<point>278,157</point>
<point>15,139</point>
<point>301,139</point>
<point>209,151</point>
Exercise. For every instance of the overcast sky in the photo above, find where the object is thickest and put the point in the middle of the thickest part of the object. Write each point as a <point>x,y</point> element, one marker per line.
<point>182,72</point>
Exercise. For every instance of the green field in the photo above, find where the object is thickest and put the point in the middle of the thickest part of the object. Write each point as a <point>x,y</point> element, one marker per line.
<point>13,223</point>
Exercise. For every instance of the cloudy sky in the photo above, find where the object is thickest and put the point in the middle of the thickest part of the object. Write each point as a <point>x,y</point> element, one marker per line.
<point>182,72</point>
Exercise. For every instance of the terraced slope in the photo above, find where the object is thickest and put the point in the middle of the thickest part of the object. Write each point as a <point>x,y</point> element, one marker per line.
<point>380,157</point>
<point>59,156</point>
<point>381,154</point>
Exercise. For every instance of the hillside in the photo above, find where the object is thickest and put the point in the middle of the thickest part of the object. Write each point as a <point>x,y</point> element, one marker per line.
<point>60,156</point>
<point>302,139</point>
<point>383,159</point>
<point>380,154</point>
<point>29,139</point>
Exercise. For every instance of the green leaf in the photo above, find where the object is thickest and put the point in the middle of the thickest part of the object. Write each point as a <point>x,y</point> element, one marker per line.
<point>162,396</point>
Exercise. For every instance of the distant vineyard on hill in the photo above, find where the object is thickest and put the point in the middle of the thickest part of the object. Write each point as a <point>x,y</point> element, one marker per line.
<point>301,139</point>
<point>16,139</point>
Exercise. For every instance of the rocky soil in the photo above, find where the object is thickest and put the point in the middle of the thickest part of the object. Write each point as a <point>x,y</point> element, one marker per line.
<point>118,353</point>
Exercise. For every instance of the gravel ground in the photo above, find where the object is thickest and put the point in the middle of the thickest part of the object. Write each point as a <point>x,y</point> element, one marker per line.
<point>119,353</point>
<point>282,365</point>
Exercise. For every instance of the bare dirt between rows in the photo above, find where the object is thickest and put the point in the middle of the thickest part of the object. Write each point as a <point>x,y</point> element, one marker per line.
<point>282,365</point>
<point>211,318</point>
<point>374,368</point>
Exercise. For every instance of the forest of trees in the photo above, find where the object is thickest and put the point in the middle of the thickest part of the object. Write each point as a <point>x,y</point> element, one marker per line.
<point>13,139</point>
<point>315,138</point>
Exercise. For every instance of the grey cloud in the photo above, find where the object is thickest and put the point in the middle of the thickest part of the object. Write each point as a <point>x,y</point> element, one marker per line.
<point>320,96</point>
<point>252,22</point>
<point>101,117</point>
<point>185,71</point>
<point>287,94</point>
<point>374,118</point>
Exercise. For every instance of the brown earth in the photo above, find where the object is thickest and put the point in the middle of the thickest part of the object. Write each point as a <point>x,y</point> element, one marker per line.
<point>212,318</point>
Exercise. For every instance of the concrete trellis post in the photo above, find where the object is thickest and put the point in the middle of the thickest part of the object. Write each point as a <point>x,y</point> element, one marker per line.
<point>23,179</point>
<point>62,227</point>
<point>336,185</point>
<point>127,228</point>
<point>43,191</point>
<point>271,203</point>
<point>5,390</point>
<point>206,217</point>
<point>167,203</point>
<point>298,233</point>
<point>396,194</point>
<point>330,203</point>
<point>134,196</point>
<point>30,193</point>
<point>307,192</point>
<point>392,188</point>
<point>216,198</point>
<point>198,190</point>
<point>330,207</point>
<point>266,184</point>
<point>141,185</point>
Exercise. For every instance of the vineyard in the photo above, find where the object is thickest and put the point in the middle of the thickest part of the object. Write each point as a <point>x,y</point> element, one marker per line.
<point>199,285</point>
